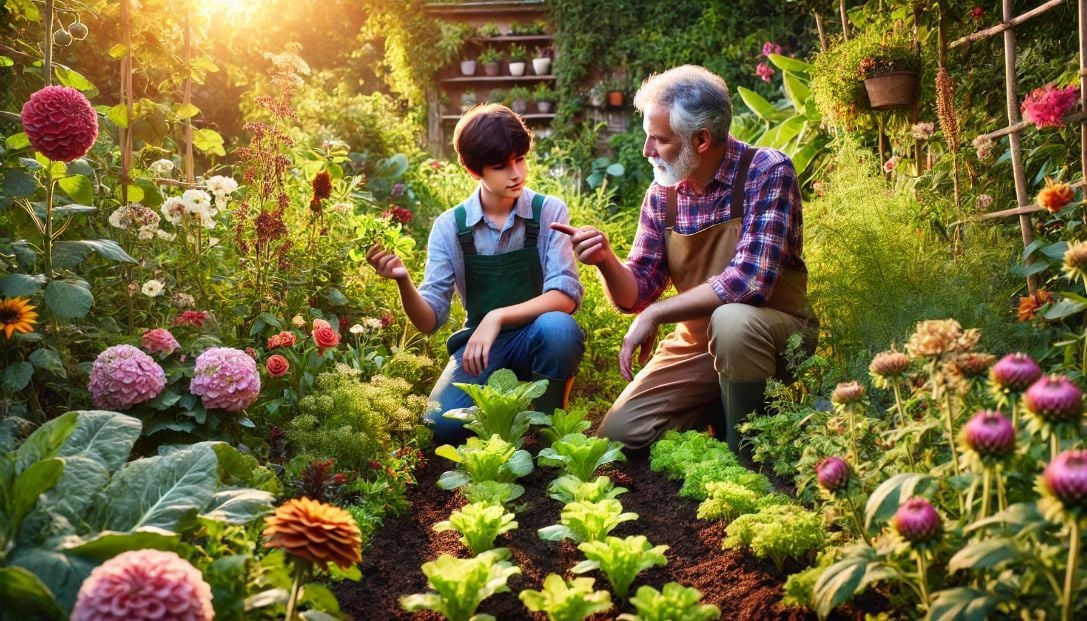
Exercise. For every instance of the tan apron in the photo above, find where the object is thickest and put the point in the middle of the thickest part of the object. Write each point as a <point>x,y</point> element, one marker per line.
<point>680,385</point>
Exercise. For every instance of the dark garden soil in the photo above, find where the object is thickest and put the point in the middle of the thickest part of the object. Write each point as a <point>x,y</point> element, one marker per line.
<point>742,586</point>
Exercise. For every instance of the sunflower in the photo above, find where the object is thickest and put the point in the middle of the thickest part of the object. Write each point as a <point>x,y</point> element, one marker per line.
<point>17,315</point>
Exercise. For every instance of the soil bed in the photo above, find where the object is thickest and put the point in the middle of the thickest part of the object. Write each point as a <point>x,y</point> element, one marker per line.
<point>742,586</point>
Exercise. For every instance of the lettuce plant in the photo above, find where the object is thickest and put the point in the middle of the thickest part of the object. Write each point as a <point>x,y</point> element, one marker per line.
<point>501,407</point>
<point>492,492</point>
<point>479,524</point>
<point>676,452</point>
<point>563,423</point>
<point>728,500</point>
<point>587,521</point>
<point>580,455</point>
<point>621,560</point>
<point>675,603</point>
<point>566,600</point>
<point>702,474</point>
<point>483,460</point>
<point>568,488</point>
<point>778,532</point>
<point>461,584</point>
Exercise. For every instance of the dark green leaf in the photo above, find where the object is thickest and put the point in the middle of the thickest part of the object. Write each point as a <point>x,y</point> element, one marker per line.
<point>68,255</point>
<point>1064,308</point>
<point>961,604</point>
<point>46,441</point>
<point>16,376</point>
<point>70,210</point>
<point>18,183</point>
<point>838,583</point>
<point>21,285</point>
<point>162,491</point>
<point>1056,251</point>
<point>885,500</point>
<point>48,359</point>
<point>107,248</point>
<point>107,544</point>
<point>984,554</point>
<point>68,298</point>
<point>20,585</point>
<point>102,436</point>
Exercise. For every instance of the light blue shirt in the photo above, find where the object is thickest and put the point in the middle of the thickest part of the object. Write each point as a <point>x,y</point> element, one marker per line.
<point>445,260</point>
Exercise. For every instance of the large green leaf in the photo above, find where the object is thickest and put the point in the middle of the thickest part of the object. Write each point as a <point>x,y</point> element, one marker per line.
<point>238,506</point>
<point>757,104</point>
<point>48,359</point>
<point>885,500</point>
<point>107,544</point>
<point>21,285</point>
<point>68,298</point>
<point>66,256</point>
<point>208,141</point>
<point>790,64</point>
<point>61,509</point>
<point>61,573</point>
<point>779,136</point>
<point>78,188</point>
<point>162,491</point>
<point>35,600</point>
<point>72,209</point>
<point>107,248</point>
<point>961,604</point>
<point>74,79</point>
<point>31,483</point>
<point>46,441</point>
<point>984,554</point>
<point>838,583</point>
<point>796,90</point>
<point>16,377</point>
<point>19,183</point>
<point>105,437</point>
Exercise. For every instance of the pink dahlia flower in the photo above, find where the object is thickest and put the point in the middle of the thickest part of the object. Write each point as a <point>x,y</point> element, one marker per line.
<point>144,584</point>
<point>1046,106</point>
<point>123,376</point>
<point>159,341</point>
<point>60,123</point>
<point>225,378</point>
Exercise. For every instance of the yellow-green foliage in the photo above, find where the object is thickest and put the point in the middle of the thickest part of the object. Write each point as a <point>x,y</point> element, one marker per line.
<point>778,532</point>
<point>419,371</point>
<point>352,421</point>
<point>878,264</point>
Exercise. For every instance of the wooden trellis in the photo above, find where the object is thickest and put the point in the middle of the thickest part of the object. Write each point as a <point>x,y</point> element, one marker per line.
<point>1025,205</point>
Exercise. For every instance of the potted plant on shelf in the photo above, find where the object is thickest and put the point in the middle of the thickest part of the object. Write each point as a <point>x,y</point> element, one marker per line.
<point>544,97</point>
<point>526,29</point>
<point>467,100</point>
<point>615,89</point>
<point>596,95</point>
<point>890,74</point>
<point>517,56</point>
<point>518,97</point>
<point>492,61</point>
<point>541,60</point>
<point>468,66</point>
<point>497,95</point>
<point>488,31</point>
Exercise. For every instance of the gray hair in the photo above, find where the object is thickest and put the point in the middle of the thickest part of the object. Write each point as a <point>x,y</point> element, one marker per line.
<point>695,97</point>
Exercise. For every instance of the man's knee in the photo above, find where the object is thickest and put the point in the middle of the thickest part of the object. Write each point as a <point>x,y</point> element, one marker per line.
<point>634,436</point>
<point>742,346</point>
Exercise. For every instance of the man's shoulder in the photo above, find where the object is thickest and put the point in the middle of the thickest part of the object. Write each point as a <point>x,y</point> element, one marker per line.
<point>768,157</point>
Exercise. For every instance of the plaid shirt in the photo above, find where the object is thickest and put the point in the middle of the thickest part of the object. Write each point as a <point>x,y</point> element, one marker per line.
<point>771,239</point>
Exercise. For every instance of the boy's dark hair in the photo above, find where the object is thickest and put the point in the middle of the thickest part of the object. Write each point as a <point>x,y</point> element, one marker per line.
<point>490,134</point>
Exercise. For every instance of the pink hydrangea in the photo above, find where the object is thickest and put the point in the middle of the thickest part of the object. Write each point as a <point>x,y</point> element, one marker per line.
<point>60,123</point>
<point>144,584</point>
<point>225,378</point>
<point>123,376</point>
<point>159,341</point>
<point>1046,106</point>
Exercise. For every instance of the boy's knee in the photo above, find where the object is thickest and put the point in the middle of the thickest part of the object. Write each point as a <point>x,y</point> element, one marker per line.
<point>558,332</point>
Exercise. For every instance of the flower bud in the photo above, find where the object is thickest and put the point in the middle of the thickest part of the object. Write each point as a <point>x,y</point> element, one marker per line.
<point>1066,479</point>
<point>833,473</point>
<point>973,364</point>
<point>847,393</point>
<point>990,434</point>
<point>1054,399</point>
<point>889,364</point>
<point>917,521</point>
<point>1015,372</point>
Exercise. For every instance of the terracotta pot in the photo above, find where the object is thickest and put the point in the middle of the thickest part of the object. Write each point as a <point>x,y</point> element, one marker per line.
<point>616,99</point>
<point>468,67</point>
<point>541,66</point>
<point>897,89</point>
<point>491,69</point>
<point>517,68</point>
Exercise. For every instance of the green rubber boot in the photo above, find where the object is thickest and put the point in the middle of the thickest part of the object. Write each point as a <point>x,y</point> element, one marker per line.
<point>555,397</point>
<point>740,400</point>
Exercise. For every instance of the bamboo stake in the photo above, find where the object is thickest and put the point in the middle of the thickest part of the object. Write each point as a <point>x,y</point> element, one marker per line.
<point>1007,24</point>
<point>1083,87</point>
<point>1012,98</point>
<point>1075,117</point>
<point>190,174</point>
<point>845,19</point>
<point>126,98</point>
<point>47,48</point>
<point>822,34</point>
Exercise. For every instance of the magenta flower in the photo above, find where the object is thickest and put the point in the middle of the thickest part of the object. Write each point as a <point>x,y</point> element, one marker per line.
<point>60,123</point>
<point>159,341</point>
<point>1065,478</point>
<point>1046,106</point>
<point>917,521</point>
<point>770,47</point>
<point>990,434</point>
<point>1054,399</point>
<point>144,585</point>
<point>225,378</point>
<point>1015,372</point>
<point>833,473</point>
<point>123,376</point>
<point>764,71</point>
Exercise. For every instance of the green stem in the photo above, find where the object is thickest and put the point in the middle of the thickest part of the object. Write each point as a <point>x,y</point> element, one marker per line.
<point>902,421</point>
<point>296,589</point>
<point>47,240</point>
<point>922,578</point>
<point>1001,499</point>
<point>1070,573</point>
<point>951,434</point>
<point>857,518</point>
<point>853,435</point>
<point>986,492</point>
<point>1015,413</point>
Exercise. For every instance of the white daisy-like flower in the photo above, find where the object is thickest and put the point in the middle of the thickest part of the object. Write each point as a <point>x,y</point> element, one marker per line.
<point>196,199</point>
<point>356,329</point>
<point>372,323</point>
<point>119,218</point>
<point>173,209</point>
<point>152,288</point>
<point>161,167</point>
<point>221,186</point>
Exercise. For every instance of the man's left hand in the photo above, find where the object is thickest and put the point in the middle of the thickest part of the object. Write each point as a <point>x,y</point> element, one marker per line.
<point>641,334</point>
<point>477,352</point>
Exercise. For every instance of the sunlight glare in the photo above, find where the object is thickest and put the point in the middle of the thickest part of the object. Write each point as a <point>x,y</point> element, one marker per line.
<point>231,9</point>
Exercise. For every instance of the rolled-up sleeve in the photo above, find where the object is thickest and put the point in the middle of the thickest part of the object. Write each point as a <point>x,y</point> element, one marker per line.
<point>559,265</point>
<point>646,258</point>
<point>439,277</point>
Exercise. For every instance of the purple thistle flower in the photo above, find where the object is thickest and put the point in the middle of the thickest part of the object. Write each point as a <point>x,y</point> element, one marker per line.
<point>917,521</point>
<point>1054,399</point>
<point>833,473</point>
<point>1015,372</point>
<point>1066,478</point>
<point>990,434</point>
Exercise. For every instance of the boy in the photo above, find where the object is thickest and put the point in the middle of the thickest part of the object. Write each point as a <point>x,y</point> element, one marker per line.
<point>516,277</point>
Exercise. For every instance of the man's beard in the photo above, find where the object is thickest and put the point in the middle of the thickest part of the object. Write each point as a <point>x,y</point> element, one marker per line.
<point>672,173</point>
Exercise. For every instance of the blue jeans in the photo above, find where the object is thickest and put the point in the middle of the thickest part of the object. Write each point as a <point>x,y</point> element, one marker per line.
<point>551,346</point>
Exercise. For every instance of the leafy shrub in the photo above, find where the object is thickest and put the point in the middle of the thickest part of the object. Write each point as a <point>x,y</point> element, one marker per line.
<point>778,532</point>
<point>710,471</point>
<point>676,452</point>
<point>417,370</point>
<point>352,421</point>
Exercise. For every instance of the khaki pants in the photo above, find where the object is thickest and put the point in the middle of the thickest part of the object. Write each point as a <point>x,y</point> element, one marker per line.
<point>681,385</point>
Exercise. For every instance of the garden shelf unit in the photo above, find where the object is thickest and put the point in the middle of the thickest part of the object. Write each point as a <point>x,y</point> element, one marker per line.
<point>446,97</point>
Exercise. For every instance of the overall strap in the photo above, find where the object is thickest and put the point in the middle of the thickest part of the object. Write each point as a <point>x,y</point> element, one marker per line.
<point>739,196</point>
<point>464,234</point>
<point>532,227</point>
<point>670,207</point>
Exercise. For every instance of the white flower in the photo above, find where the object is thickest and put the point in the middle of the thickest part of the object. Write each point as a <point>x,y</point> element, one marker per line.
<point>118,219</point>
<point>196,199</point>
<point>372,323</point>
<point>164,235</point>
<point>221,186</point>
<point>173,209</point>
<point>161,167</point>
<point>147,232</point>
<point>922,131</point>
<point>152,288</point>
<point>183,300</point>
<point>133,214</point>
<point>985,201</point>
<point>356,329</point>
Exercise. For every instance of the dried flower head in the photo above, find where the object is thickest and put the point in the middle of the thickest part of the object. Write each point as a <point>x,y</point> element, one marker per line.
<point>1075,262</point>
<point>937,337</point>
<point>922,131</point>
<point>847,393</point>
<point>1055,196</point>
<point>985,147</point>
<point>984,201</point>
<point>888,366</point>
<point>972,364</point>
<point>144,585</point>
<point>315,532</point>
<point>945,109</point>
<point>60,123</point>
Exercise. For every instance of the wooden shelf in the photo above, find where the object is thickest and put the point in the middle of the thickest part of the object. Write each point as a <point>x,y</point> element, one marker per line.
<point>475,79</point>
<point>483,7</point>
<point>528,116</point>
<point>512,39</point>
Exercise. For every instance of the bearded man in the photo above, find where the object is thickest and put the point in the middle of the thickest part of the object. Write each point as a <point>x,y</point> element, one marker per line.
<point>722,223</point>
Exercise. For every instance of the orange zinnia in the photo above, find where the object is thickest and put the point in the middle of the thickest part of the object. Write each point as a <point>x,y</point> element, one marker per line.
<point>1054,196</point>
<point>315,532</point>
<point>17,315</point>
<point>1031,304</point>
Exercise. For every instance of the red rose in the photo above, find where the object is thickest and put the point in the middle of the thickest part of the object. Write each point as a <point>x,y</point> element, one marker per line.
<point>283,339</point>
<point>325,337</point>
<point>60,123</point>
<point>277,365</point>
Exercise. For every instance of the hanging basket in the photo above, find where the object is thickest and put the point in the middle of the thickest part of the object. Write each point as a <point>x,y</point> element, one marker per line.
<point>897,89</point>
